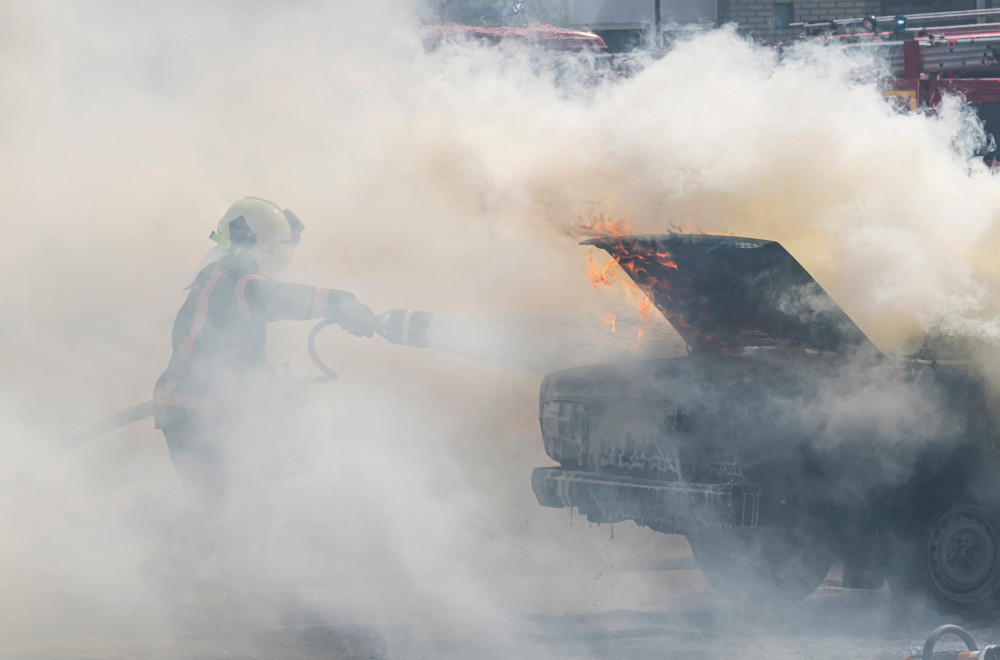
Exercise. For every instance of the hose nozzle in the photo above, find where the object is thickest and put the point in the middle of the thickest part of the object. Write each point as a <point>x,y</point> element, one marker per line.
<point>404,326</point>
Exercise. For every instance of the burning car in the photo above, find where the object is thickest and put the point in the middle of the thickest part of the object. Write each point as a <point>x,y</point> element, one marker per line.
<point>784,440</point>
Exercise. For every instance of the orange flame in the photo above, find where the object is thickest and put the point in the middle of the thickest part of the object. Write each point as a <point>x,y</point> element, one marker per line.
<point>613,272</point>
<point>605,275</point>
<point>610,274</point>
<point>601,226</point>
<point>609,322</point>
<point>666,260</point>
<point>632,267</point>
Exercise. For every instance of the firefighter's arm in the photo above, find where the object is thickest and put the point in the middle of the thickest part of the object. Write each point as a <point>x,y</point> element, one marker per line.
<point>259,296</point>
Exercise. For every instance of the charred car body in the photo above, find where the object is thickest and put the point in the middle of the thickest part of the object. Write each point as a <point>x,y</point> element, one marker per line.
<point>784,440</point>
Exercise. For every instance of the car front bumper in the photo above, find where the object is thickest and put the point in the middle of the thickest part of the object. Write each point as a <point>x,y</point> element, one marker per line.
<point>667,506</point>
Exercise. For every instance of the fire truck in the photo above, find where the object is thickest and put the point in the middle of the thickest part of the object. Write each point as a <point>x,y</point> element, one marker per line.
<point>569,56</point>
<point>931,56</point>
<point>492,23</point>
<point>544,36</point>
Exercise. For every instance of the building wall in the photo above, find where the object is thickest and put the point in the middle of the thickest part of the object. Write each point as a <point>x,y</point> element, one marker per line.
<point>893,7</point>
<point>757,18</point>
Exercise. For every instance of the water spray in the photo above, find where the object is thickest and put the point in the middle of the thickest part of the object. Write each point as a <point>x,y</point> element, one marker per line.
<point>537,344</point>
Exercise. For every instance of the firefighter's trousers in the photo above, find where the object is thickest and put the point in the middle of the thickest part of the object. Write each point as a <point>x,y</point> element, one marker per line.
<point>229,501</point>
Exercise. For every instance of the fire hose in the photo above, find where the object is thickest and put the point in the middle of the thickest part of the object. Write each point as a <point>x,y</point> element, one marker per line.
<point>144,410</point>
<point>991,652</point>
<point>328,373</point>
<point>397,326</point>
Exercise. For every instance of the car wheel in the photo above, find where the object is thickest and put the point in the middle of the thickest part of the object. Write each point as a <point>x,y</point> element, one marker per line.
<point>954,558</point>
<point>761,563</point>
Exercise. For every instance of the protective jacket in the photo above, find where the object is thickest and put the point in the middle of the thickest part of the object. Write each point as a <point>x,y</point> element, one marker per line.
<point>219,335</point>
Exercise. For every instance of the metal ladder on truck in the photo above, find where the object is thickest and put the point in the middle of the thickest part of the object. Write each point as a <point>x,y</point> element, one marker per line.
<point>936,44</point>
<point>931,57</point>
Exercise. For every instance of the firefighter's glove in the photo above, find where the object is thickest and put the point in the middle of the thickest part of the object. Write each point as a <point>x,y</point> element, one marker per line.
<point>356,317</point>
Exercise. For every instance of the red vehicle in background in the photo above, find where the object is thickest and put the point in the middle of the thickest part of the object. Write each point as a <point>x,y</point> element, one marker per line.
<point>930,56</point>
<point>494,22</point>
<point>569,56</point>
<point>544,36</point>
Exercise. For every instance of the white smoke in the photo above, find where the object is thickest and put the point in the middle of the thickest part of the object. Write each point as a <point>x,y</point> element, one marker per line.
<point>439,180</point>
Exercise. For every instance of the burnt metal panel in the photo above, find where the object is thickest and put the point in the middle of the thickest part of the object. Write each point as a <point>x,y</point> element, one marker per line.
<point>727,292</point>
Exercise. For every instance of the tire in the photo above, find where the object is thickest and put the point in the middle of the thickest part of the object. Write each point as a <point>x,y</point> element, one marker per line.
<point>761,564</point>
<point>953,558</point>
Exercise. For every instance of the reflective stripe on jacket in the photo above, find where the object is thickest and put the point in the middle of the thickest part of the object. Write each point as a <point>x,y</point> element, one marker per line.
<point>219,336</point>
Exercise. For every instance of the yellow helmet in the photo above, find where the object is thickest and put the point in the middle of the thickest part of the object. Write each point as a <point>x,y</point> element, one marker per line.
<point>257,222</point>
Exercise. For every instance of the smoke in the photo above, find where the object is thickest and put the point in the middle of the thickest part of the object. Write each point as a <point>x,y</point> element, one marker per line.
<point>441,180</point>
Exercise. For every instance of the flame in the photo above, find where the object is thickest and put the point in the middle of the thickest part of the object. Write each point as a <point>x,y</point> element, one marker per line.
<point>666,260</point>
<point>601,226</point>
<point>610,274</point>
<point>633,267</point>
<point>609,322</point>
<point>605,275</point>
<point>617,272</point>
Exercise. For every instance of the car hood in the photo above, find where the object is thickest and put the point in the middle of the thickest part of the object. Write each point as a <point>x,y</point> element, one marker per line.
<point>727,292</point>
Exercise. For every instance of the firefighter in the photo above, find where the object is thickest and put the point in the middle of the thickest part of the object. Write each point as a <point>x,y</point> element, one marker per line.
<point>218,403</point>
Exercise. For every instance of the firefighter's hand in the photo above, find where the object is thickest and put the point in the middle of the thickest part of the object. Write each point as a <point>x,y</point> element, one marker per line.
<point>357,318</point>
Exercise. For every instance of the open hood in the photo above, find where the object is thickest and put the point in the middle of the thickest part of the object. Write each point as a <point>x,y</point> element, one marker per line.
<point>725,292</point>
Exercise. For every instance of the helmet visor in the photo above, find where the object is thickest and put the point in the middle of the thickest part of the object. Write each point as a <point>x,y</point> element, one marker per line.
<point>296,226</point>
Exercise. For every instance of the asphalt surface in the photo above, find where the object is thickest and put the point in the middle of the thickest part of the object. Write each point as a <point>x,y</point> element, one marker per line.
<point>669,613</point>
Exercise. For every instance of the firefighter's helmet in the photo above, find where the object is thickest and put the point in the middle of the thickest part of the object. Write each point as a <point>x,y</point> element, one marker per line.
<point>256,222</point>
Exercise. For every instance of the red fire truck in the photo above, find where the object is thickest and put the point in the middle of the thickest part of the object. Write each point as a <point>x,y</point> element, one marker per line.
<point>568,55</point>
<point>545,36</point>
<point>493,23</point>
<point>930,56</point>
